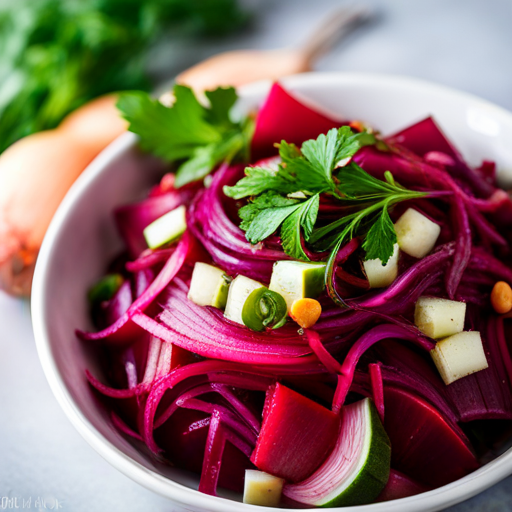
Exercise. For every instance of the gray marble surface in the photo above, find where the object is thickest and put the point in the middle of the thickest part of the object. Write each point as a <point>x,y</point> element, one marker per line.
<point>467,44</point>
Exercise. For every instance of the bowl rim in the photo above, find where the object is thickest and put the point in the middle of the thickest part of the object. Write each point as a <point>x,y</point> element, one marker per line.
<point>436,499</point>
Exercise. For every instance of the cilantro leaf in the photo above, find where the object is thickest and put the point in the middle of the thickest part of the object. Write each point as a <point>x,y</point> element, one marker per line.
<point>381,238</point>
<point>199,136</point>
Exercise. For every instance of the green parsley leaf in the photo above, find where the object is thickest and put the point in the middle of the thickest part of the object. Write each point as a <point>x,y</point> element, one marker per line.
<point>170,133</point>
<point>275,199</point>
<point>307,176</point>
<point>268,221</point>
<point>381,238</point>
<point>303,217</point>
<point>355,183</point>
<point>258,180</point>
<point>306,170</point>
<point>221,101</point>
<point>324,152</point>
<point>187,131</point>
<point>269,200</point>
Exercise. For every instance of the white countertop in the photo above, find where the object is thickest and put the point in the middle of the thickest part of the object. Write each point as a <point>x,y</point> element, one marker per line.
<point>466,44</point>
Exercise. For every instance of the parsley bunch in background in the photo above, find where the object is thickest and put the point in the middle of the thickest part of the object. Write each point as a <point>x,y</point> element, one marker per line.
<point>55,55</point>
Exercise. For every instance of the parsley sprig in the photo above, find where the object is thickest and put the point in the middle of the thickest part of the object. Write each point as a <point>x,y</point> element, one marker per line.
<point>196,136</point>
<point>288,199</point>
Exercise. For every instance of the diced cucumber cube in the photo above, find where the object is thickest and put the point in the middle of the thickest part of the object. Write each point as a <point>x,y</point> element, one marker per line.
<point>209,286</point>
<point>166,228</point>
<point>439,318</point>
<point>239,290</point>
<point>379,275</point>
<point>297,280</point>
<point>262,489</point>
<point>459,355</point>
<point>416,234</point>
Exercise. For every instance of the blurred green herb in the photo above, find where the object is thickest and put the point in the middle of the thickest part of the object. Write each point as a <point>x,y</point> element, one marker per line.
<point>55,55</point>
<point>198,137</point>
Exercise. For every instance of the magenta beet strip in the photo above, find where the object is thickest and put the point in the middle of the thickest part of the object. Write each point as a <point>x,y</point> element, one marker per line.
<point>123,427</point>
<point>112,392</point>
<point>377,388</point>
<point>166,275</point>
<point>238,406</point>
<point>502,343</point>
<point>228,418</point>
<point>374,335</point>
<point>149,259</point>
<point>214,449</point>
<point>321,352</point>
<point>463,245</point>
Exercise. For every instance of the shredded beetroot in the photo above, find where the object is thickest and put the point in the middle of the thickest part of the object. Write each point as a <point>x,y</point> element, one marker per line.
<point>123,328</point>
<point>374,335</point>
<point>321,352</point>
<point>377,388</point>
<point>191,385</point>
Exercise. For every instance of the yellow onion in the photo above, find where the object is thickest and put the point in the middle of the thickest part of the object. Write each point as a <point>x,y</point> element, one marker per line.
<point>35,174</point>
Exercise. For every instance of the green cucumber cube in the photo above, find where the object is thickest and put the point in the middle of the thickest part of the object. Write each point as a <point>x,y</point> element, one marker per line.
<point>209,286</point>
<point>297,280</point>
<point>166,228</point>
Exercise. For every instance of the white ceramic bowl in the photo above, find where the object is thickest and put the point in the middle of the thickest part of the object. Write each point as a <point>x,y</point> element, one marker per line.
<point>82,238</point>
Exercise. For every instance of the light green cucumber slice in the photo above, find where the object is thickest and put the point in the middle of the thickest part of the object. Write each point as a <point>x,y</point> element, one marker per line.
<point>357,469</point>
<point>297,279</point>
<point>209,286</point>
<point>166,228</point>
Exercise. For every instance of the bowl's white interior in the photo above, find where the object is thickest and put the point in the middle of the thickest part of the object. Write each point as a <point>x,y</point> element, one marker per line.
<point>82,239</point>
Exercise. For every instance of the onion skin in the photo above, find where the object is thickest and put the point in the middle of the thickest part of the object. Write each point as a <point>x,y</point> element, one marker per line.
<point>35,174</point>
<point>95,124</point>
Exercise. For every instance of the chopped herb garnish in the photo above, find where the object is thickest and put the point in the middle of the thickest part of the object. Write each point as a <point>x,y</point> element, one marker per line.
<point>195,136</point>
<point>288,199</point>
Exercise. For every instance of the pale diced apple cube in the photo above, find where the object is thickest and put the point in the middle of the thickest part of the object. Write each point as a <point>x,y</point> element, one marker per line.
<point>416,234</point>
<point>240,289</point>
<point>296,280</point>
<point>209,286</point>
<point>262,489</point>
<point>459,355</point>
<point>379,275</point>
<point>439,318</point>
<point>167,228</point>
